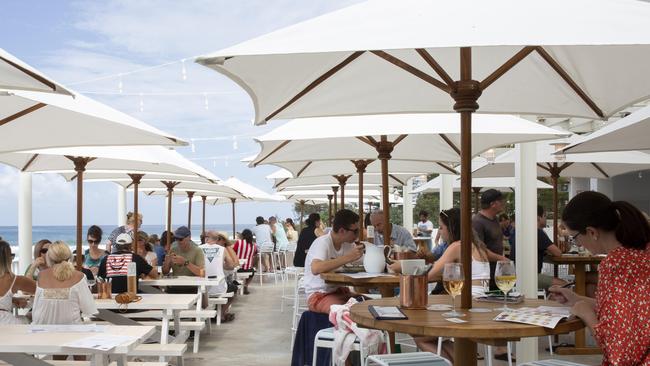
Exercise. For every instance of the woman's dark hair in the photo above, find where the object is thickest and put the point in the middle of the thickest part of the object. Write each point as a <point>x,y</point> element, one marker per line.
<point>259,220</point>
<point>5,257</point>
<point>594,209</point>
<point>366,220</point>
<point>163,238</point>
<point>290,222</point>
<point>312,219</point>
<point>451,219</point>
<point>96,232</point>
<point>247,235</point>
<point>38,246</point>
<point>148,247</point>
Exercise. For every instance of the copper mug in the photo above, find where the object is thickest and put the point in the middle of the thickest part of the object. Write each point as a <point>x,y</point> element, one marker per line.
<point>413,291</point>
<point>105,290</point>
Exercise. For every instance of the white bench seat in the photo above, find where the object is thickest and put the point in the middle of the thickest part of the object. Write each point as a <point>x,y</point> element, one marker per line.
<point>161,350</point>
<point>87,363</point>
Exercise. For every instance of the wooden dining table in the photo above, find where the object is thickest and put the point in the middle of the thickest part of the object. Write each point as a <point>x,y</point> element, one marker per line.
<point>480,327</point>
<point>385,283</point>
<point>580,271</point>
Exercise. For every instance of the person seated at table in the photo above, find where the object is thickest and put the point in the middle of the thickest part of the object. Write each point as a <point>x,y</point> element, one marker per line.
<point>306,238</point>
<point>245,250</point>
<point>124,229</point>
<point>9,285</point>
<point>544,246</point>
<point>145,250</point>
<point>93,255</point>
<point>185,258</point>
<point>114,267</point>
<point>62,293</point>
<point>264,242</point>
<point>399,236</point>
<point>39,264</point>
<point>619,317</point>
<point>481,256</point>
<point>217,259</point>
<point>328,253</point>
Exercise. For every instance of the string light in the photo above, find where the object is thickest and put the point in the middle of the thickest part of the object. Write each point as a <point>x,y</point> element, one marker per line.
<point>192,146</point>
<point>119,84</point>
<point>141,103</point>
<point>234,143</point>
<point>206,102</point>
<point>183,70</point>
<point>490,156</point>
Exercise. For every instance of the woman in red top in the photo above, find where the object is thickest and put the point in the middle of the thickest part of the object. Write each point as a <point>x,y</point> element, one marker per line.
<point>619,317</point>
<point>246,250</point>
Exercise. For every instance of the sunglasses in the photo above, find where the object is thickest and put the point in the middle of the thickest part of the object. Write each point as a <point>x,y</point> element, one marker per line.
<point>355,231</point>
<point>44,250</point>
<point>90,241</point>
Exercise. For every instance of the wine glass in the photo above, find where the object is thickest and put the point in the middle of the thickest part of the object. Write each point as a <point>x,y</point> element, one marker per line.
<point>452,279</point>
<point>505,277</point>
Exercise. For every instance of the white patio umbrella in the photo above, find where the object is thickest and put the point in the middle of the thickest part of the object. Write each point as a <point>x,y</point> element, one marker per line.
<point>425,142</point>
<point>390,57</point>
<point>249,194</point>
<point>504,184</point>
<point>627,134</point>
<point>16,74</point>
<point>33,120</point>
<point>73,162</point>
<point>587,165</point>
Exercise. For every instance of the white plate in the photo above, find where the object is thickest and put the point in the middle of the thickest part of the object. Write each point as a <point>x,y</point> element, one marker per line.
<point>439,307</point>
<point>480,310</point>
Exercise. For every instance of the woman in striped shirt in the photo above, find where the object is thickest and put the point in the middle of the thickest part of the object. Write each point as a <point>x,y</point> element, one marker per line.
<point>246,250</point>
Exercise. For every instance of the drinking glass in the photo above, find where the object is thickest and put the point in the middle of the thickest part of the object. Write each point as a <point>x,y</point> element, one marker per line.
<point>505,277</point>
<point>452,279</point>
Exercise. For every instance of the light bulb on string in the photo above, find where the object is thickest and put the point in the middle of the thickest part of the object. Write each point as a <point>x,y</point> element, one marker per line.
<point>226,163</point>
<point>490,155</point>
<point>119,84</point>
<point>183,70</point>
<point>192,146</point>
<point>141,103</point>
<point>235,146</point>
<point>206,102</point>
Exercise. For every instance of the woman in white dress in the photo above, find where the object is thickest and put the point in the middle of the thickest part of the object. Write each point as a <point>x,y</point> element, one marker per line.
<point>62,292</point>
<point>9,284</point>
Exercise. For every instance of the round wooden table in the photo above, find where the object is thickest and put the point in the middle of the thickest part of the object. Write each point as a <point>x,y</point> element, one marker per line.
<point>480,327</point>
<point>579,263</point>
<point>385,284</point>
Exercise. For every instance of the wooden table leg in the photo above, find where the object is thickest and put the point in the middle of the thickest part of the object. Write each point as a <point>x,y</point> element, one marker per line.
<point>464,352</point>
<point>580,347</point>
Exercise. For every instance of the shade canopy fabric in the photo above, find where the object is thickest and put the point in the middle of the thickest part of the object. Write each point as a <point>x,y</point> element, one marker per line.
<point>396,180</point>
<point>120,176</point>
<point>32,120</point>
<point>330,65</point>
<point>342,167</point>
<point>16,74</point>
<point>588,165</point>
<point>627,134</point>
<point>291,194</point>
<point>155,187</point>
<point>133,159</point>
<point>249,194</point>
<point>505,184</point>
<point>422,137</point>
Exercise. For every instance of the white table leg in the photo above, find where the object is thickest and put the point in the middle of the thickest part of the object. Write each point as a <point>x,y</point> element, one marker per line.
<point>99,359</point>
<point>164,331</point>
<point>177,322</point>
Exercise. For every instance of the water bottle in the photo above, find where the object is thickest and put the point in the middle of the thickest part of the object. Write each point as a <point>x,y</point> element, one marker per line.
<point>131,280</point>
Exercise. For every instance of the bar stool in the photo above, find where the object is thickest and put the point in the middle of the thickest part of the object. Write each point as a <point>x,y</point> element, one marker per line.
<point>552,362</point>
<point>407,359</point>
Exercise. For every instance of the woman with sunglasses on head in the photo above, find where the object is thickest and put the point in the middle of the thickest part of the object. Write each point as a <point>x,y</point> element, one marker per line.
<point>39,263</point>
<point>619,317</point>
<point>93,255</point>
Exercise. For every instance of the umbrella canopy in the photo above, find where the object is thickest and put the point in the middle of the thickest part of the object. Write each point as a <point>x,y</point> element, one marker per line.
<point>32,120</point>
<point>15,74</point>
<point>391,57</point>
<point>627,134</point>
<point>505,184</point>
<point>396,179</point>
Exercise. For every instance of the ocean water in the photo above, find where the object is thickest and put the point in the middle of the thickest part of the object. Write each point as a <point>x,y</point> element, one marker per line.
<point>69,233</point>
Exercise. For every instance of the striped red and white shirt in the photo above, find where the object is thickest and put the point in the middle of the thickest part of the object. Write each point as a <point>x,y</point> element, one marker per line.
<point>246,251</point>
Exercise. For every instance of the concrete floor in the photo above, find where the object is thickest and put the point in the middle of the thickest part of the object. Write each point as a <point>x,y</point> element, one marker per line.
<point>260,334</point>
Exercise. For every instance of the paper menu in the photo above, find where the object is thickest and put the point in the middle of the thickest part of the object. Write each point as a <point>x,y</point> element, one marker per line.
<point>66,328</point>
<point>102,342</point>
<point>543,316</point>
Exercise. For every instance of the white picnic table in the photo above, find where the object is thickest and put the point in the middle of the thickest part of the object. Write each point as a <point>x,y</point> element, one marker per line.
<point>170,305</point>
<point>18,343</point>
<point>201,283</point>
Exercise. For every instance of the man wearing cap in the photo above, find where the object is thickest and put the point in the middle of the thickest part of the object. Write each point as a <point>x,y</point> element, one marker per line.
<point>114,267</point>
<point>218,258</point>
<point>486,225</point>
<point>185,258</point>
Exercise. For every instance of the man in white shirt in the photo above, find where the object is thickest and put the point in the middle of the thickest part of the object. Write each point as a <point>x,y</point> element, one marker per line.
<point>327,253</point>
<point>425,227</point>
<point>263,242</point>
<point>216,260</point>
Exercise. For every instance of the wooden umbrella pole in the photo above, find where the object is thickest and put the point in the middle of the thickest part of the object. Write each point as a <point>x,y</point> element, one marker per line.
<point>477,198</point>
<point>135,180</point>
<point>384,148</point>
<point>190,195</point>
<point>302,212</point>
<point>79,167</point>
<point>203,198</point>
<point>361,166</point>
<point>335,190</point>
<point>466,93</point>
<point>234,230</point>
<point>329,216</point>
<point>170,192</point>
<point>555,175</point>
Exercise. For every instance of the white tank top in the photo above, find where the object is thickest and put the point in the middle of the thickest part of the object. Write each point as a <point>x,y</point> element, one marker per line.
<point>5,300</point>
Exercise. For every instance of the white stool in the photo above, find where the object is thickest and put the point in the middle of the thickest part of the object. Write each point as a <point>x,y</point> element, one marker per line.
<point>551,363</point>
<point>325,339</point>
<point>299,306</point>
<point>407,359</point>
<point>296,272</point>
<point>261,267</point>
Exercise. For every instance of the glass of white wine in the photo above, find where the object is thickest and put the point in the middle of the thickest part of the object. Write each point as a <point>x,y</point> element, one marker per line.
<point>452,279</point>
<point>505,277</point>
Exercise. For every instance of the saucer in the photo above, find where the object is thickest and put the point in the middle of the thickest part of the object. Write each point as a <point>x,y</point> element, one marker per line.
<point>439,307</point>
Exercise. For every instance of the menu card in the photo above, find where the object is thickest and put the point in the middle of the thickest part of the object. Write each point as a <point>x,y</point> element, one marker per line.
<point>386,312</point>
<point>544,316</point>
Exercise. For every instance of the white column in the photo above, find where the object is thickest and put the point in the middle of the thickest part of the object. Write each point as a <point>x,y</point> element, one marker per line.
<point>407,214</point>
<point>446,191</point>
<point>121,205</point>
<point>604,186</point>
<point>578,185</point>
<point>25,243</point>
<point>526,235</point>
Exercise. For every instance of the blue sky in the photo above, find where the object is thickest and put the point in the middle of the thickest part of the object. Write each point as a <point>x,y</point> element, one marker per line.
<point>85,44</point>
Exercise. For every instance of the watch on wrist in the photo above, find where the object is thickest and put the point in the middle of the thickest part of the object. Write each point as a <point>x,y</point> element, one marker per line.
<point>186,263</point>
